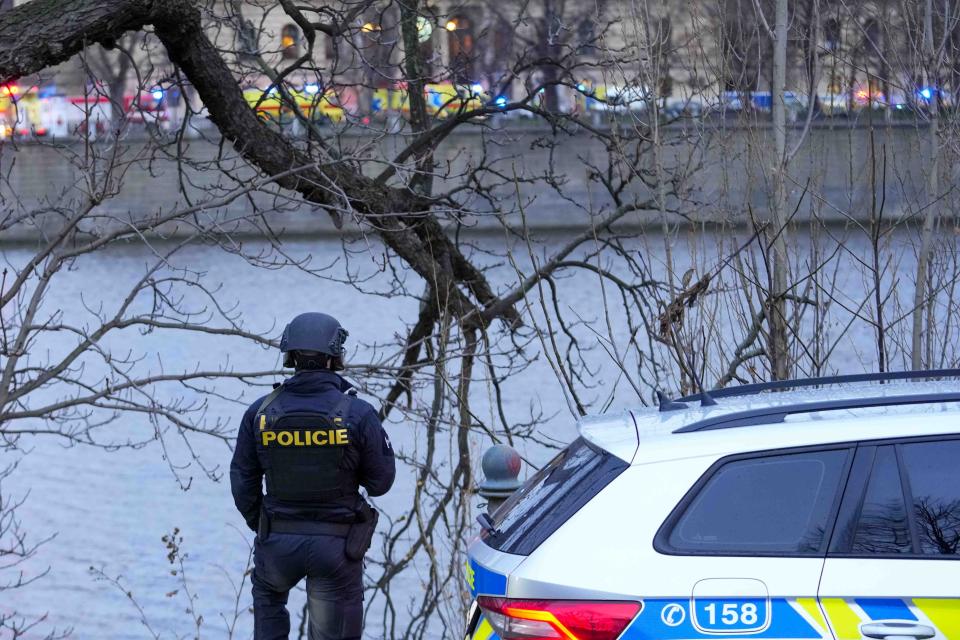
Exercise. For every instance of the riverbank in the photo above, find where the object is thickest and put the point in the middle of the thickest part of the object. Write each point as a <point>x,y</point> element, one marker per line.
<point>719,178</point>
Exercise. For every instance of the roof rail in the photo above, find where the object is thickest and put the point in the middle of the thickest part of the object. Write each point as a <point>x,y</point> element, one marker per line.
<point>773,415</point>
<point>666,404</point>
<point>748,389</point>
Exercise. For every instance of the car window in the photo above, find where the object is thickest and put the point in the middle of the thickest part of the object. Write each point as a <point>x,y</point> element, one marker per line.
<point>777,504</point>
<point>883,527</point>
<point>551,496</point>
<point>933,470</point>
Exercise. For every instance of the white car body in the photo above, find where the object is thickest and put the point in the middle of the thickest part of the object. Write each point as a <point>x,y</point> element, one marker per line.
<point>626,98</point>
<point>617,546</point>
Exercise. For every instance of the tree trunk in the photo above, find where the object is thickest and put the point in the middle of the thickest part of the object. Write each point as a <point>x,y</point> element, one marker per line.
<point>549,51</point>
<point>778,346</point>
<point>933,187</point>
<point>416,92</point>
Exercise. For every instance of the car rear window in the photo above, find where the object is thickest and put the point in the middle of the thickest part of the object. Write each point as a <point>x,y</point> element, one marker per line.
<point>551,496</point>
<point>764,505</point>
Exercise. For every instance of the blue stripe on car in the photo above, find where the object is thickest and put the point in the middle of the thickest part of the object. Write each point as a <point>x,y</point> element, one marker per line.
<point>652,623</point>
<point>487,582</point>
<point>885,609</point>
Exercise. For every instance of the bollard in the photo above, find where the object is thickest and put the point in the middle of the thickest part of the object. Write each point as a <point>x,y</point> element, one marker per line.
<point>501,472</point>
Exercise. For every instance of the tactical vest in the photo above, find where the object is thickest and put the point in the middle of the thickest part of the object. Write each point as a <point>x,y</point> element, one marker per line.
<point>304,451</point>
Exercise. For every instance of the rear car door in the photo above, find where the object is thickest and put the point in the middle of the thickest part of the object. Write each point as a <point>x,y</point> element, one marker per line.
<point>893,568</point>
<point>742,554</point>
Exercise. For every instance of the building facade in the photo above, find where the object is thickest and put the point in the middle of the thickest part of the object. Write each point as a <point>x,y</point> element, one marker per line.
<point>568,55</point>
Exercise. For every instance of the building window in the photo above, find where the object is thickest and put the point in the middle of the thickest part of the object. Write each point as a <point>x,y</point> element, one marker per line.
<point>460,44</point>
<point>835,86</point>
<point>586,36</point>
<point>329,48</point>
<point>871,32</point>
<point>290,41</point>
<point>375,48</point>
<point>831,34</point>
<point>427,56</point>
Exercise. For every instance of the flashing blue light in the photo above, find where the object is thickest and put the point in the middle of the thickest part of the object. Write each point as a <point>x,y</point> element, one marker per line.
<point>581,87</point>
<point>312,88</point>
<point>926,93</point>
<point>899,107</point>
<point>501,101</point>
<point>157,94</point>
<point>476,89</point>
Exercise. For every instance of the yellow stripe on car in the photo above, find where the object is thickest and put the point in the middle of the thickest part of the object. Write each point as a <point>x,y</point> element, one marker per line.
<point>944,613</point>
<point>813,610</point>
<point>484,630</point>
<point>845,621</point>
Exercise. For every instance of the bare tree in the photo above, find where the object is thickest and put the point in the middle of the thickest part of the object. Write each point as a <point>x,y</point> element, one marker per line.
<point>668,274</point>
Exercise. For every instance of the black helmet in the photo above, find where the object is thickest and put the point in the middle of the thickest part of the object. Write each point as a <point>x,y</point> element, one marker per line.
<point>314,332</point>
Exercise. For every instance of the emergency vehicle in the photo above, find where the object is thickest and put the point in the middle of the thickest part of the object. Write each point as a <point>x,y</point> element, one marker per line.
<point>815,508</point>
<point>444,99</point>
<point>24,113</point>
<point>315,104</point>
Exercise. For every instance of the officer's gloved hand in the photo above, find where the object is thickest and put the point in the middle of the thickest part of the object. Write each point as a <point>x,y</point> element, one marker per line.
<point>254,520</point>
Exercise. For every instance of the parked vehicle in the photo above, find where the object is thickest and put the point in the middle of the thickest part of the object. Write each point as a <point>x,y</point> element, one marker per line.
<point>622,98</point>
<point>822,508</point>
<point>320,106</point>
<point>834,104</point>
<point>691,106</point>
<point>443,99</point>
<point>25,114</point>
<point>88,116</point>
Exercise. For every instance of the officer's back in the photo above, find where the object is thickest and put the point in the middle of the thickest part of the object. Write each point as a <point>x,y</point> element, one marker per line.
<point>316,444</point>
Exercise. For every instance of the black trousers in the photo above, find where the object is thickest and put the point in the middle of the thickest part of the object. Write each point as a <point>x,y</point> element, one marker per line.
<point>334,586</point>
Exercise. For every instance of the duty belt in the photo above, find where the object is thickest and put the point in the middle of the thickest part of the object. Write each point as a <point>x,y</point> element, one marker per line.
<point>310,527</point>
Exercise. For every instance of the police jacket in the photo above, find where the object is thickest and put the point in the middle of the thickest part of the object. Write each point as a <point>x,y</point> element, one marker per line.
<point>311,435</point>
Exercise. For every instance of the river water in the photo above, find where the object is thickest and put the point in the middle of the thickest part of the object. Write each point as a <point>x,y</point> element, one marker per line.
<point>109,510</point>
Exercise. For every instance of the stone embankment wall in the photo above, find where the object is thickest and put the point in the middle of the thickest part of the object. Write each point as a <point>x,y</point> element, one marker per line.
<point>839,174</point>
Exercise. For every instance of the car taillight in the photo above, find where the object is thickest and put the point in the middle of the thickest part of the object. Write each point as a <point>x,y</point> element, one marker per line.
<point>515,619</point>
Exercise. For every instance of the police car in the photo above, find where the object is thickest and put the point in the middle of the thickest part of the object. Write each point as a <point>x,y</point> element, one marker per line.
<point>818,508</point>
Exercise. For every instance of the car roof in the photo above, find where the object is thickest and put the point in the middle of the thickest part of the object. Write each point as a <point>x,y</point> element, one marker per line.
<point>832,412</point>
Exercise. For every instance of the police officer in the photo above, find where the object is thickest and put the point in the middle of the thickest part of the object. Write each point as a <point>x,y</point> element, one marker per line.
<point>316,444</point>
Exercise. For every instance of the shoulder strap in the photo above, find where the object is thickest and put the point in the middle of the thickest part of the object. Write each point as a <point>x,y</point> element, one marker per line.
<point>343,407</point>
<point>340,411</point>
<point>261,417</point>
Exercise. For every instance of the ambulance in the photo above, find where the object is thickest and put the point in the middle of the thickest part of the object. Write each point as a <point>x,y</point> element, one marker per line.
<point>814,508</point>
<point>321,106</point>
